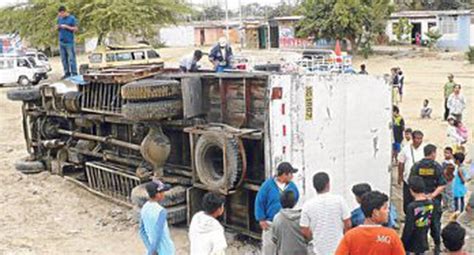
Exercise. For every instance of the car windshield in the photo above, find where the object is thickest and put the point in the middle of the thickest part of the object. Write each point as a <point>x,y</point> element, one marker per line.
<point>96,58</point>
<point>32,61</point>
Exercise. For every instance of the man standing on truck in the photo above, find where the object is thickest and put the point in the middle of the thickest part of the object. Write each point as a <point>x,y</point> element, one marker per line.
<point>268,204</point>
<point>432,174</point>
<point>190,63</point>
<point>67,26</point>
<point>153,225</point>
<point>221,55</point>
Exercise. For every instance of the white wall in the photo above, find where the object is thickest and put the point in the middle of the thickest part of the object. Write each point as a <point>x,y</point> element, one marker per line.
<point>424,27</point>
<point>177,36</point>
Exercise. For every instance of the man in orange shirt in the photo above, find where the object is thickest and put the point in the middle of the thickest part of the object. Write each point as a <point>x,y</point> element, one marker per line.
<point>371,238</point>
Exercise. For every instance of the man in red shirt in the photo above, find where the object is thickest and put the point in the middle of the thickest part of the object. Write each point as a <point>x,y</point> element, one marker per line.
<point>371,238</point>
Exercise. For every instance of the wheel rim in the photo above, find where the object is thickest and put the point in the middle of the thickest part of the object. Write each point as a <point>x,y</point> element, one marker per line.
<point>24,82</point>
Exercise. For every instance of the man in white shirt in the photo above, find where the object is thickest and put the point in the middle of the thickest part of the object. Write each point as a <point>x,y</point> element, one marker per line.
<point>206,234</point>
<point>456,103</point>
<point>407,157</point>
<point>190,63</point>
<point>325,218</point>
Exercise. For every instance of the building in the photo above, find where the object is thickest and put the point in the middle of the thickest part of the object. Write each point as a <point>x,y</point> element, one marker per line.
<point>208,33</point>
<point>456,26</point>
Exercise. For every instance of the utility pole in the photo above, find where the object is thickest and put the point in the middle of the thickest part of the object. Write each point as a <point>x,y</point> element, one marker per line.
<point>227,19</point>
<point>241,27</point>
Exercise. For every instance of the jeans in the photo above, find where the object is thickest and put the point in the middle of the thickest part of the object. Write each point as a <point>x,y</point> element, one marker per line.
<point>268,246</point>
<point>68,59</point>
<point>407,198</point>
<point>435,227</point>
<point>459,204</point>
<point>446,109</point>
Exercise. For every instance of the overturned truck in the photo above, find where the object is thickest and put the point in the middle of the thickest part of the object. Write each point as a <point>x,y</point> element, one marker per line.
<point>200,132</point>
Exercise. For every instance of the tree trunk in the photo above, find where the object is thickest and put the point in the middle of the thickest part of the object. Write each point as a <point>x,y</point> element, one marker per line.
<point>354,45</point>
<point>100,39</point>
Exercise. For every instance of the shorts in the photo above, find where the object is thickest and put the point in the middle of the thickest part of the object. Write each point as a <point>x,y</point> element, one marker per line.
<point>396,147</point>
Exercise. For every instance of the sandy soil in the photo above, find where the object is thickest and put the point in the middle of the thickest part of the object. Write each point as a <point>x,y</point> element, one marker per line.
<point>44,214</point>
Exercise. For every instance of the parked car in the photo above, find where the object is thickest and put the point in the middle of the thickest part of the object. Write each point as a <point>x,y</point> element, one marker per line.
<point>116,56</point>
<point>22,70</point>
<point>40,58</point>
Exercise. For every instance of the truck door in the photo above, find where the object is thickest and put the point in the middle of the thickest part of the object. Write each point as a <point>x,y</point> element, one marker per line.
<point>7,71</point>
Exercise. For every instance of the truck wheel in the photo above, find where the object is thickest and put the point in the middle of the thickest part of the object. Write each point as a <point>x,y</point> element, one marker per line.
<point>174,196</point>
<point>29,167</point>
<point>23,81</point>
<point>210,161</point>
<point>177,214</point>
<point>152,110</point>
<point>24,94</point>
<point>151,89</point>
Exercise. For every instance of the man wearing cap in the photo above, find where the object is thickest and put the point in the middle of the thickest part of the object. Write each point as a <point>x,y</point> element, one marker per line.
<point>153,225</point>
<point>221,55</point>
<point>267,203</point>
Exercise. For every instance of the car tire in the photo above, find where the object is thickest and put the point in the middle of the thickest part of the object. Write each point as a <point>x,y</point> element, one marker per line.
<point>23,81</point>
<point>143,111</point>
<point>151,89</point>
<point>24,94</point>
<point>177,214</point>
<point>29,167</point>
<point>209,147</point>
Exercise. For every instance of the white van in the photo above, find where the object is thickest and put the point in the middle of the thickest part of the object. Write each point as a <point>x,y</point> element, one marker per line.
<point>22,70</point>
<point>40,58</point>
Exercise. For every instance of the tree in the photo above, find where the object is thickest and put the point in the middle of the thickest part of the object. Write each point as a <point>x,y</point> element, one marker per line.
<point>433,35</point>
<point>403,30</point>
<point>353,20</point>
<point>96,18</point>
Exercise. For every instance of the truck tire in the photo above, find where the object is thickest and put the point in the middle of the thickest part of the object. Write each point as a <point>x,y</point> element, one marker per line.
<point>29,167</point>
<point>208,150</point>
<point>151,89</point>
<point>174,196</point>
<point>24,94</point>
<point>23,81</point>
<point>142,111</point>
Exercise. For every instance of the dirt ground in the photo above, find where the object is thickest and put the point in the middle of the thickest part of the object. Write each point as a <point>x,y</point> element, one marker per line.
<point>45,214</point>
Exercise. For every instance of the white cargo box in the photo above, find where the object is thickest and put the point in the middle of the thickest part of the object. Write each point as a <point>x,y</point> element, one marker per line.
<point>339,124</point>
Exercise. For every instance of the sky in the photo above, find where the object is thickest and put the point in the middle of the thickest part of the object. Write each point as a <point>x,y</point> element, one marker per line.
<point>233,4</point>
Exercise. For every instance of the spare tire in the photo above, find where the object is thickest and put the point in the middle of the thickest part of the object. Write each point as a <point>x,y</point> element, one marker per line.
<point>25,94</point>
<point>151,89</point>
<point>29,166</point>
<point>143,111</point>
<point>209,161</point>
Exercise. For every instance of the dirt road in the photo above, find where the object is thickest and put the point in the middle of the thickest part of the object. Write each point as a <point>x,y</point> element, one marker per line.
<point>44,214</point>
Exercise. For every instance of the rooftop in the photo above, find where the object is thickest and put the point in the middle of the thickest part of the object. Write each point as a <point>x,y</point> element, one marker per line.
<point>428,14</point>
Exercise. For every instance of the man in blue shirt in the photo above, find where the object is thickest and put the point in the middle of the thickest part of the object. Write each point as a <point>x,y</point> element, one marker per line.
<point>267,202</point>
<point>67,27</point>
<point>153,225</point>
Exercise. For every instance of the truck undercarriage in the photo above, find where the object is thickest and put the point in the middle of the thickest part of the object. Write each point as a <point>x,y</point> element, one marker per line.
<point>125,126</point>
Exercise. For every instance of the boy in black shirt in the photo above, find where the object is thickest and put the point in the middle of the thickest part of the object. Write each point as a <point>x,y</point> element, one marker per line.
<point>418,218</point>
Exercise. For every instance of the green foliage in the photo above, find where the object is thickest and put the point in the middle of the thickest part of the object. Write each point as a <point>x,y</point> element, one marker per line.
<point>403,29</point>
<point>470,55</point>
<point>95,18</point>
<point>433,36</point>
<point>354,20</point>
